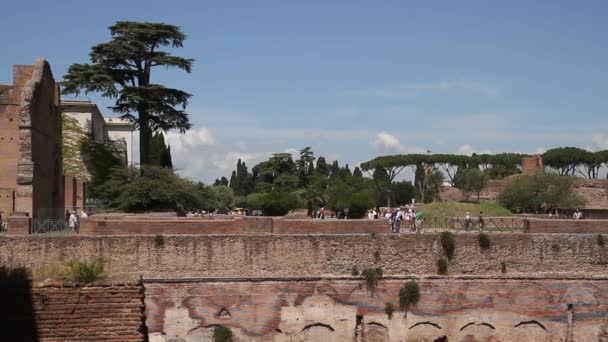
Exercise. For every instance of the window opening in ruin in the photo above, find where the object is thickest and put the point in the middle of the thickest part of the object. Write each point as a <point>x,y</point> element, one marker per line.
<point>224,314</point>
<point>318,325</point>
<point>426,323</point>
<point>531,322</point>
<point>475,323</point>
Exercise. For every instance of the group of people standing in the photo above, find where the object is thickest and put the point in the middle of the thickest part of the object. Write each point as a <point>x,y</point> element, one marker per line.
<point>410,219</point>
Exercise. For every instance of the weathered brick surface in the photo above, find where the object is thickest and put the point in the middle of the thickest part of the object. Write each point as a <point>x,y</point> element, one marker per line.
<point>566,226</point>
<point>74,313</point>
<point>30,142</point>
<point>282,255</point>
<point>239,225</point>
<point>327,310</point>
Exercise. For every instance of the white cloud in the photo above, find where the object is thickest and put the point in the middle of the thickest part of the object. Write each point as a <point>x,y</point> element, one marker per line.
<point>599,142</point>
<point>468,150</point>
<point>415,89</point>
<point>192,139</point>
<point>386,142</point>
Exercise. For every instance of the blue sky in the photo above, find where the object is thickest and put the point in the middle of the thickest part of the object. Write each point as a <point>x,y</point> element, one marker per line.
<point>353,79</point>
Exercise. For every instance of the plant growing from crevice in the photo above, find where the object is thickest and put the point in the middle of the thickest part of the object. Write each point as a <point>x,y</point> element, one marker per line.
<point>222,334</point>
<point>503,267</point>
<point>447,244</point>
<point>377,256</point>
<point>442,266</point>
<point>600,240</point>
<point>159,241</point>
<point>409,295</point>
<point>388,309</point>
<point>355,271</point>
<point>86,272</point>
<point>484,241</point>
<point>371,277</point>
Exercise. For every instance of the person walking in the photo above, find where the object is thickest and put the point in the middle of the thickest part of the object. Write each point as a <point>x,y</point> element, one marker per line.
<point>419,219</point>
<point>482,222</point>
<point>467,221</point>
<point>73,221</point>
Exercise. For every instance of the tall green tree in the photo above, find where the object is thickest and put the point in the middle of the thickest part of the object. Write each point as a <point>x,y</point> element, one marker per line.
<point>160,153</point>
<point>122,68</point>
<point>472,180</point>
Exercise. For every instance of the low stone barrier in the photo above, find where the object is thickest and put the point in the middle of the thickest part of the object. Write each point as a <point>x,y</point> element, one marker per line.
<point>566,226</point>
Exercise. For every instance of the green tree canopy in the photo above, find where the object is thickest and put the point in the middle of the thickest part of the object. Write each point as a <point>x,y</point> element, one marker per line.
<point>121,69</point>
<point>471,180</point>
<point>540,192</point>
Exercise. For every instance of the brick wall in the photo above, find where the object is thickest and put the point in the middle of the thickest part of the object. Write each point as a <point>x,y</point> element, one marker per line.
<point>30,141</point>
<point>285,255</point>
<point>65,312</point>
<point>344,310</point>
<point>566,226</point>
<point>238,225</point>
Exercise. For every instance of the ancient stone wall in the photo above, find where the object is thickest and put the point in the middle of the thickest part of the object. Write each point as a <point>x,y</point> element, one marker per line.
<point>269,256</point>
<point>238,225</point>
<point>345,310</point>
<point>569,226</point>
<point>67,312</point>
<point>30,135</point>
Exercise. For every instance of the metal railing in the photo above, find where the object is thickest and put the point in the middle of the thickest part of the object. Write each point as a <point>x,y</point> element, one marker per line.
<point>490,224</point>
<point>58,226</point>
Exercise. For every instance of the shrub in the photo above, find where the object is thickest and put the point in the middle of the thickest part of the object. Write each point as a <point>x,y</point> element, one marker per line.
<point>442,266</point>
<point>600,240</point>
<point>371,276</point>
<point>222,334</point>
<point>355,271</point>
<point>503,267</point>
<point>447,243</point>
<point>86,272</point>
<point>376,256</point>
<point>409,295</point>
<point>159,241</point>
<point>388,309</point>
<point>484,241</point>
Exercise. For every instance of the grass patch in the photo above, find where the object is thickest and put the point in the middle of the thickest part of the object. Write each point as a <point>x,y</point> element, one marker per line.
<point>409,295</point>
<point>86,272</point>
<point>57,271</point>
<point>222,334</point>
<point>484,241</point>
<point>442,266</point>
<point>447,244</point>
<point>503,267</point>
<point>388,309</point>
<point>451,209</point>
<point>355,271</point>
<point>371,277</point>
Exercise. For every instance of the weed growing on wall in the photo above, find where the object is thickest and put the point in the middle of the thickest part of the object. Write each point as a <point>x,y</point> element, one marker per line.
<point>355,271</point>
<point>447,244</point>
<point>371,277</point>
<point>409,295</point>
<point>377,256</point>
<point>442,266</point>
<point>600,240</point>
<point>503,267</point>
<point>86,272</point>
<point>222,334</point>
<point>159,241</point>
<point>388,309</point>
<point>484,241</point>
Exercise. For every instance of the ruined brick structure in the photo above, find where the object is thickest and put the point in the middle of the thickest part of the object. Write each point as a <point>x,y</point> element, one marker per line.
<point>30,142</point>
<point>532,165</point>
